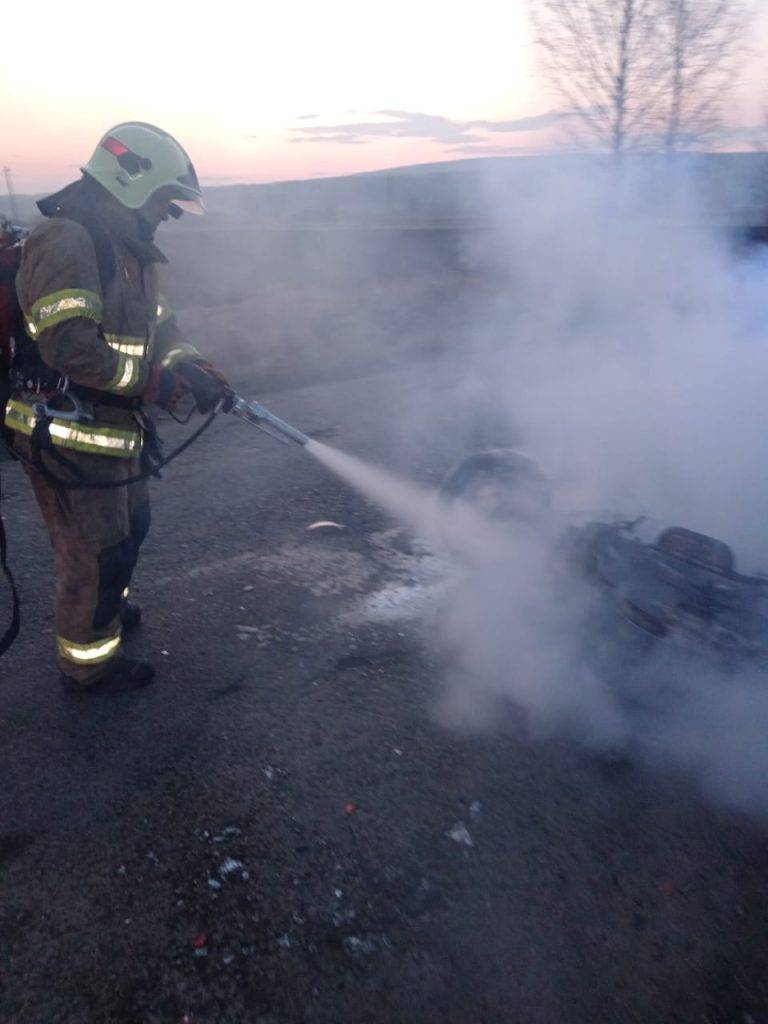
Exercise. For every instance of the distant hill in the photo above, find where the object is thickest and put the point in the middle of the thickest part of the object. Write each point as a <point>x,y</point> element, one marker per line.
<point>733,188</point>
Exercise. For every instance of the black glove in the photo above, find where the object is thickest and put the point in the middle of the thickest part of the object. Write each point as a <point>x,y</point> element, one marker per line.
<point>207,385</point>
<point>165,388</point>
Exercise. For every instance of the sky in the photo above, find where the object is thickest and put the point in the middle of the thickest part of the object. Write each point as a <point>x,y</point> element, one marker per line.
<point>292,90</point>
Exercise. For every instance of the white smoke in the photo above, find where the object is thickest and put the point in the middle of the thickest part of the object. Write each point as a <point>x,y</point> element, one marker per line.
<point>626,348</point>
<point>630,351</point>
<point>634,351</point>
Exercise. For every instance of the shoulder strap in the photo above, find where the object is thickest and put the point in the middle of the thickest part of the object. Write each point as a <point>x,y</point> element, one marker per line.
<point>73,203</point>
<point>105,253</point>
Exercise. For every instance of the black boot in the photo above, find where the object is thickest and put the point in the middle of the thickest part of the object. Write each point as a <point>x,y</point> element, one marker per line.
<point>123,674</point>
<point>130,615</point>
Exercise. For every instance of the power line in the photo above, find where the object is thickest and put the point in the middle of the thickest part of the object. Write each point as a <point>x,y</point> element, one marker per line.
<point>11,195</point>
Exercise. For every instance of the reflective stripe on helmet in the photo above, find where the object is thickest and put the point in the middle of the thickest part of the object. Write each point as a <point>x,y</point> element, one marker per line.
<point>89,654</point>
<point>79,437</point>
<point>59,306</point>
<point>127,374</point>
<point>127,343</point>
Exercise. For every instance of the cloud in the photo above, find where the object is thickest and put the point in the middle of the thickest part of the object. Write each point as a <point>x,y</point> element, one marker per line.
<point>536,123</point>
<point>346,140</point>
<point>307,117</point>
<point>751,134</point>
<point>488,149</point>
<point>221,179</point>
<point>402,125</point>
<point>408,124</point>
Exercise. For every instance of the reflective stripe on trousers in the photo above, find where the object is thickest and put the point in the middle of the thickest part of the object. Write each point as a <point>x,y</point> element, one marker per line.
<point>95,653</point>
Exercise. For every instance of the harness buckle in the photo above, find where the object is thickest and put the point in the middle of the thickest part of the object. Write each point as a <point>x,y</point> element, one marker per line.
<point>81,412</point>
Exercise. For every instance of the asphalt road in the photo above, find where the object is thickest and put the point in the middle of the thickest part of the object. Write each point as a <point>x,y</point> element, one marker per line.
<point>280,830</point>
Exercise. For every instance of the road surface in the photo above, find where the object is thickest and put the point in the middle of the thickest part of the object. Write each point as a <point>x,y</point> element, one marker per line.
<point>281,830</point>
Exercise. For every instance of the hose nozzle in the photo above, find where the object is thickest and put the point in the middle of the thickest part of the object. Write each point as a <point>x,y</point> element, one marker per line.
<point>262,418</point>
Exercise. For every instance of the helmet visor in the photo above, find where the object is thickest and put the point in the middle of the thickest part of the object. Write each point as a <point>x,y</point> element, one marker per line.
<point>180,200</point>
<point>189,205</point>
<point>190,199</point>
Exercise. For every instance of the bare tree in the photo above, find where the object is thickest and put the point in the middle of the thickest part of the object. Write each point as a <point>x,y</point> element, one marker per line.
<point>649,72</point>
<point>704,40</point>
<point>606,60</point>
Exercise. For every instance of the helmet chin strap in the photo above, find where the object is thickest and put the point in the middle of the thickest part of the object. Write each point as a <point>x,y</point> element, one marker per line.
<point>147,227</point>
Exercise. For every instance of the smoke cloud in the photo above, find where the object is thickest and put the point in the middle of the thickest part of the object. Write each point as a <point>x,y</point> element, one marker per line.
<point>628,351</point>
<point>624,348</point>
<point>597,320</point>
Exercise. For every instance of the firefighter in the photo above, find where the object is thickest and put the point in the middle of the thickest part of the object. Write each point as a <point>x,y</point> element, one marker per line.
<point>98,329</point>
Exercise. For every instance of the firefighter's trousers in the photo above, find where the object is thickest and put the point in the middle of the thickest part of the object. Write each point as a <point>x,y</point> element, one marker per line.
<point>96,536</point>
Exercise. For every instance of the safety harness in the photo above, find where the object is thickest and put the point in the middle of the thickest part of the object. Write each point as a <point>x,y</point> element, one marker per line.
<point>152,458</point>
<point>152,462</point>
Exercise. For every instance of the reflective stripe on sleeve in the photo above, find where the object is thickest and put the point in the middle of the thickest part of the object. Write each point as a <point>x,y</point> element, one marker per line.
<point>126,343</point>
<point>127,374</point>
<point>80,437</point>
<point>164,311</point>
<point>89,654</point>
<point>59,306</point>
<point>177,353</point>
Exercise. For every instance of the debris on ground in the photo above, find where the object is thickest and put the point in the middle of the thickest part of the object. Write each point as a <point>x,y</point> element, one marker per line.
<point>460,834</point>
<point>229,866</point>
<point>364,945</point>
<point>322,523</point>
<point>350,809</point>
<point>228,832</point>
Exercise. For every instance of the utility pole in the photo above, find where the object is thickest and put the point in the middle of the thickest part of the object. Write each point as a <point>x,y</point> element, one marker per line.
<point>11,195</point>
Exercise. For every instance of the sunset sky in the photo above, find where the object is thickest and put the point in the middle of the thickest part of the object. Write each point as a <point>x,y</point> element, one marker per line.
<point>295,90</point>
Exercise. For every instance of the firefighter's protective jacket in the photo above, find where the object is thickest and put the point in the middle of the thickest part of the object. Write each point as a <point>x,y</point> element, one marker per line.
<point>103,331</point>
